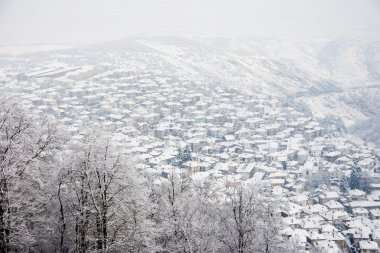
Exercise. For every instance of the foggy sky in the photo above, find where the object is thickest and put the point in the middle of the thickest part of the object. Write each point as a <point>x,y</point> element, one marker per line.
<point>88,21</point>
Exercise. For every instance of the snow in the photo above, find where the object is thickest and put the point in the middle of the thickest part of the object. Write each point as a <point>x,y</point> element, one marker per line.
<point>368,245</point>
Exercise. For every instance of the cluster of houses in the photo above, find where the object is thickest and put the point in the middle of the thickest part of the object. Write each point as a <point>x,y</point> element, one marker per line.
<point>232,137</point>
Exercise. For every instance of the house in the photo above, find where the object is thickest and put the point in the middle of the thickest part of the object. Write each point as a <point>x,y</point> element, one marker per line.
<point>368,247</point>
<point>302,156</point>
<point>376,237</point>
<point>273,146</point>
<point>316,151</point>
<point>236,148</point>
<point>360,234</point>
<point>339,239</point>
<point>316,237</point>
<point>192,166</point>
<point>245,157</point>
<point>292,210</point>
<point>277,182</point>
<point>367,163</point>
<point>259,175</point>
<point>279,175</point>
<point>334,205</point>
<point>356,194</point>
<point>300,236</point>
<point>315,209</point>
<point>228,138</point>
<point>205,166</point>
<point>292,222</point>
<point>300,199</point>
<point>335,216</point>
<point>327,196</point>
<point>311,226</point>
<point>223,168</point>
<point>360,212</point>
<point>332,156</point>
<point>326,245</point>
<point>298,186</point>
<point>223,157</point>
<point>369,205</point>
<point>374,214</point>
<point>343,160</point>
<point>246,171</point>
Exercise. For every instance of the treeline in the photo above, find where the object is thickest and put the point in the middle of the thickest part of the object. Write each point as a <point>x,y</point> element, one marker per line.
<point>86,197</point>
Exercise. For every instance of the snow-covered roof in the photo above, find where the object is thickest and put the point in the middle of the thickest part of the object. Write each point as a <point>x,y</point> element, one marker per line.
<point>365,204</point>
<point>368,245</point>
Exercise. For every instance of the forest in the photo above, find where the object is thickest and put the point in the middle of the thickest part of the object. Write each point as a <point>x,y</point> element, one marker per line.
<point>62,195</point>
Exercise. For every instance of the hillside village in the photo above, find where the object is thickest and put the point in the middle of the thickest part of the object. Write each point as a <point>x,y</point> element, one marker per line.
<point>173,124</point>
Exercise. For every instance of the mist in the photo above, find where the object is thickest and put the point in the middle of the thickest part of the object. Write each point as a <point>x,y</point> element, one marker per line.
<point>89,21</point>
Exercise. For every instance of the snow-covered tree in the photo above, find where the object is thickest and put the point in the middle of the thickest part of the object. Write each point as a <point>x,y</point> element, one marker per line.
<point>26,150</point>
<point>248,222</point>
<point>183,156</point>
<point>186,154</point>
<point>354,180</point>
<point>184,218</point>
<point>104,200</point>
<point>343,184</point>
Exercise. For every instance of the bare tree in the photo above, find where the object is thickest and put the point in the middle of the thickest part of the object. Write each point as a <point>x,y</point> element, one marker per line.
<point>26,147</point>
<point>184,216</point>
<point>105,199</point>
<point>248,222</point>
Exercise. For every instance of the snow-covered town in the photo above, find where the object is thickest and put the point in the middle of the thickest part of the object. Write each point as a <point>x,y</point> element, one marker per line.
<point>189,126</point>
<point>329,181</point>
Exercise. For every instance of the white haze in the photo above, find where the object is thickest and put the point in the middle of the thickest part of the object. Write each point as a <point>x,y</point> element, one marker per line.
<point>87,21</point>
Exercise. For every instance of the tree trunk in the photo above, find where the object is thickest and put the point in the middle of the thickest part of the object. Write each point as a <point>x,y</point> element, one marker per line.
<point>99,241</point>
<point>104,232</point>
<point>240,224</point>
<point>4,208</point>
<point>62,221</point>
<point>83,219</point>
<point>104,215</point>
